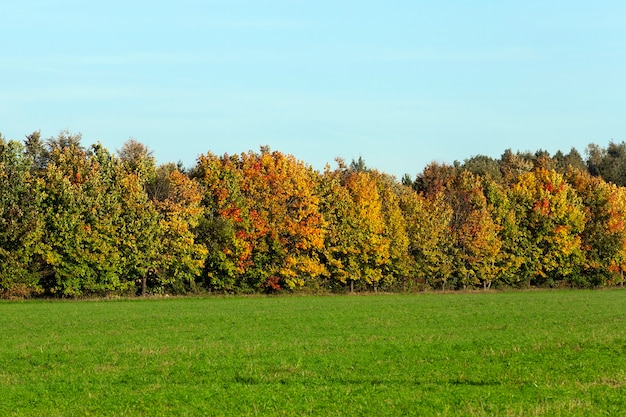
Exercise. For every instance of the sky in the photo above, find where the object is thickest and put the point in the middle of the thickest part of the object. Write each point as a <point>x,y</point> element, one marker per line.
<point>398,83</point>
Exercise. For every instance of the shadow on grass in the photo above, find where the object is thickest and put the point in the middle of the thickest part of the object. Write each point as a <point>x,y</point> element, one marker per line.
<point>249,380</point>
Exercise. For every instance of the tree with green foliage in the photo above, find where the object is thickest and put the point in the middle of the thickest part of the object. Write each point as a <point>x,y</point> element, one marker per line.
<point>21,226</point>
<point>138,159</point>
<point>337,209</point>
<point>573,160</point>
<point>502,209</point>
<point>514,165</point>
<point>138,230</point>
<point>358,238</point>
<point>36,151</point>
<point>100,228</point>
<point>431,243</point>
<point>483,166</point>
<point>551,218</point>
<point>78,249</point>
<point>603,239</point>
<point>181,258</point>
<point>434,179</point>
<point>608,163</point>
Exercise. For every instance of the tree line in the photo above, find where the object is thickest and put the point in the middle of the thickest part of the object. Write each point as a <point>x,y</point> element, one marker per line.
<point>81,221</point>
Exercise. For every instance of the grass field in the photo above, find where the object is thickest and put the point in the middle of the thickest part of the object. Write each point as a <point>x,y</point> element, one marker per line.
<point>474,354</point>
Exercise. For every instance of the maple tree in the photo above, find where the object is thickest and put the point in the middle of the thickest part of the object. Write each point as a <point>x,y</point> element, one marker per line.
<point>286,223</point>
<point>262,218</point>
<point>223,224</point>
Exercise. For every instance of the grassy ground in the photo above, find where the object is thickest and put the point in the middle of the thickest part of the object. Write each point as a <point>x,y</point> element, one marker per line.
<point>509,354</point>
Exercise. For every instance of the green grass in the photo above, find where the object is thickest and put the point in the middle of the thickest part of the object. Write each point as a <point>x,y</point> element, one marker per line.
<point>474,354</point>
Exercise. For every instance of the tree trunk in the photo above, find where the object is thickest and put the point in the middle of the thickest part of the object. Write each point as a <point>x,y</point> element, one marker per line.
<point>144,284</point>
<point>351,285</point>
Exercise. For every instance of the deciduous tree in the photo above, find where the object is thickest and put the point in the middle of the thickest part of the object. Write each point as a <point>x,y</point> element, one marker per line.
<point>21,226</point>
<point>181,257</point>
<point>431,242</point>
<point>551,218</point>
<point>604,234</point>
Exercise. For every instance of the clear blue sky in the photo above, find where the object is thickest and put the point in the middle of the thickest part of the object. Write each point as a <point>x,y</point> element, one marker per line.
<point>400,83</point>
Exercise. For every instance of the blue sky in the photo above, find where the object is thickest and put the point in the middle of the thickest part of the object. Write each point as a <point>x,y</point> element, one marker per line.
<point>400,83</point>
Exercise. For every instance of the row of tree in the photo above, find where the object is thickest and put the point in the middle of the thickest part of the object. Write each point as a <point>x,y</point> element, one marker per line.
<point>82,221</point>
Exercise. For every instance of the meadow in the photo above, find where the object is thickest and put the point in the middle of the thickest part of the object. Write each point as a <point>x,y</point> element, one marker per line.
<point>529,353</point>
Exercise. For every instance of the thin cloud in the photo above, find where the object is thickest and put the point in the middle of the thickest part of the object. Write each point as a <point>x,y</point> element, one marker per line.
<point>78,63</point>
<point>256,23</point>
<point>508,54</point>
<point>73,93</point>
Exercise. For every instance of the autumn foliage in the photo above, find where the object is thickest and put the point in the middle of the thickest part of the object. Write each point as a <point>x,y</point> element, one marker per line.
<point>81,221</point>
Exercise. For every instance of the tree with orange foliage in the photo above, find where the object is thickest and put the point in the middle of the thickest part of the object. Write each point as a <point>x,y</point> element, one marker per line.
<point>551,218</point>
<point>225,223</point>
<point>270,228</point>
<point>476,232</point>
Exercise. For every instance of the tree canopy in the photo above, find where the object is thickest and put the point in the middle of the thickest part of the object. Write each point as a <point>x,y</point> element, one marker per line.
<point>79,220</point>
